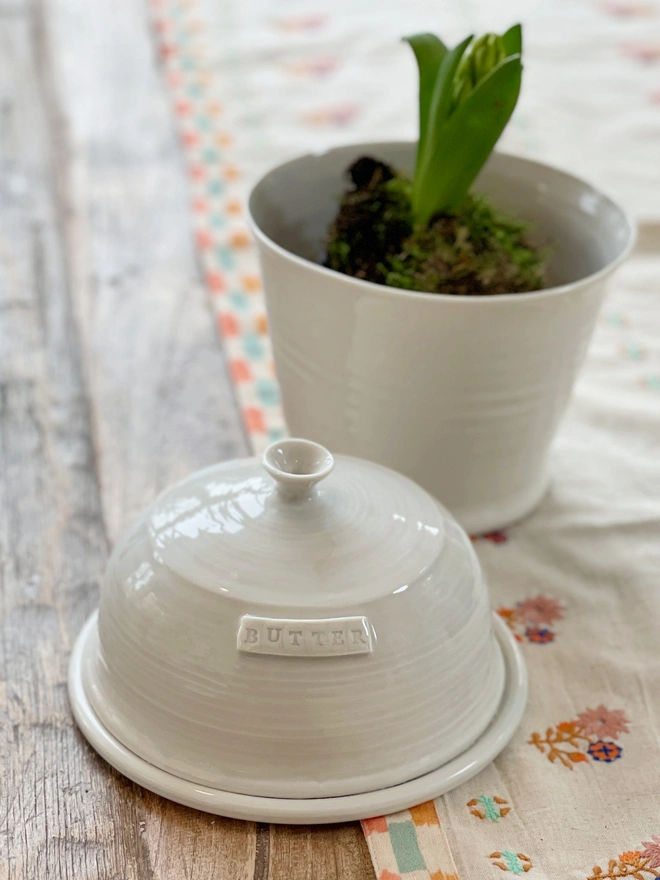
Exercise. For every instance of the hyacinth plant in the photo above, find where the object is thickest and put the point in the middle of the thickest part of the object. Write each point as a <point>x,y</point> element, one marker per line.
<point>466,97</point>
<point>430,232</point>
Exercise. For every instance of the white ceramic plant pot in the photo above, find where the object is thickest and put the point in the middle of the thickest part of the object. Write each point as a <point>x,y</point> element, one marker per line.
<point>462,394</point>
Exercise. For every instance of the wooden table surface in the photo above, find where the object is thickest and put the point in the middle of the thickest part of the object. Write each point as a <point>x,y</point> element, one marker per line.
<point>112,385</point>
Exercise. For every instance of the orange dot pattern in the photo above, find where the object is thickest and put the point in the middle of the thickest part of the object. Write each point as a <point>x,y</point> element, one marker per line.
<point>218,190</point>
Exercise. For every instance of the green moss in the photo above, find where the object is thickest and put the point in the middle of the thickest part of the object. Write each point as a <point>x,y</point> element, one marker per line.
<point>474,250</point>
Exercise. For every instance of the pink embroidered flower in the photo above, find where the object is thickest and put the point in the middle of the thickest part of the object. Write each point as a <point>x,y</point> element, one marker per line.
<point>296,23</point>
<point>629,9</point>
<point>318,67</point>
<point>541,609</point>
<point>647,53</point>
<point>602,722</point>
<point>651,851</point>
<point>339,115</point>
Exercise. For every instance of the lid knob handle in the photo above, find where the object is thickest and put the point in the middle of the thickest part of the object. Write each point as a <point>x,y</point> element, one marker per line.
<point>297,465</point>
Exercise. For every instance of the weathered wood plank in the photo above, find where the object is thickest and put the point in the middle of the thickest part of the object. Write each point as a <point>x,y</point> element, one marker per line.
<point>332,851</point>
<point>63,814</point>
<point>162,403</point>
<point>111,386</point>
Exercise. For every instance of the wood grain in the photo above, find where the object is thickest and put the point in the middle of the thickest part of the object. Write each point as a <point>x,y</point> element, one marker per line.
<point>112,385</point>
<point>63,815</point>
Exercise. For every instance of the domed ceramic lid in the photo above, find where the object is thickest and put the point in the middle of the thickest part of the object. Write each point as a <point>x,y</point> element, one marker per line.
<point>298,529</point>
<point>262,619</point>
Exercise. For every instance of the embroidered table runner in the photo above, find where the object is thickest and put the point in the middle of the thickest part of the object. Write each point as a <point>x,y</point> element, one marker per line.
<point>576,795</point>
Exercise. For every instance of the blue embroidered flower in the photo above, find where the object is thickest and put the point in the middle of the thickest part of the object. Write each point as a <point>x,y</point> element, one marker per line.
<point>602,750</point>
<point>539,635</point>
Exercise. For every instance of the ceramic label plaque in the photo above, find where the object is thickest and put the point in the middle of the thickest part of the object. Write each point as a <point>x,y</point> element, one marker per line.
<point>330,637</point>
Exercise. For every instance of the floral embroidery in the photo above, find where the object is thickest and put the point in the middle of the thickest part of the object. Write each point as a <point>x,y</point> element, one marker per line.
<point>619,322</point>
<point>647,53</point>
<point>603,722</point>
<point>532,619</point>
<point>339,115</point>
<point>498,537</point>
<point>539,635</point>
<point>636,863</point>
<point>629,9</point>
<point>298,23</point>
<point>574,742</point>
<point>652,851</point>
<point>486,807</point>
<point>312,67</point>
<point>516,863</point>
<point>633,352</point>
<point>605,751</point>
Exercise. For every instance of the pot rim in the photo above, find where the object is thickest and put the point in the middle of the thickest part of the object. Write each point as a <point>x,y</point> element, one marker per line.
<point>385,290</point>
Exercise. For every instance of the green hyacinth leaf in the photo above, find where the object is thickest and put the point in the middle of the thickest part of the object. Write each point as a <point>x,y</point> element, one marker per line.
<point>463,143</point>
<point>439,108</point>
<point>512,40</point>
<point>429,51</point>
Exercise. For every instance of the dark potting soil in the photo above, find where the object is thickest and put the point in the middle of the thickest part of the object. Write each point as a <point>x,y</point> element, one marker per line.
<point>474,250</point>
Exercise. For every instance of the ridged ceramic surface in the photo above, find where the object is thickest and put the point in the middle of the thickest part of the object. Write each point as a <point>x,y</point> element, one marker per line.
<point>168,679</point>
<point>462,394</point>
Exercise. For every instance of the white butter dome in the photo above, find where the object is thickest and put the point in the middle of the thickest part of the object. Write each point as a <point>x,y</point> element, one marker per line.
<point>403,673</point>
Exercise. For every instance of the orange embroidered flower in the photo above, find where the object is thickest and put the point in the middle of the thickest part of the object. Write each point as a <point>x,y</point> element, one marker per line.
<point>567,727</point>
<point>507,613</point>
<point>630,857</point>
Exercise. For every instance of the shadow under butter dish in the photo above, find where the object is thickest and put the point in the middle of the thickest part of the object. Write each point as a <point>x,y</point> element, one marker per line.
<point>286,635</point>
